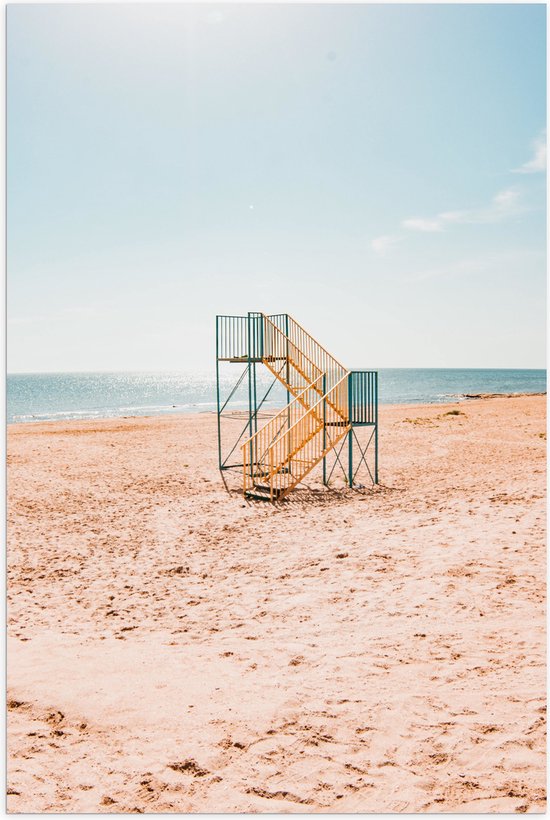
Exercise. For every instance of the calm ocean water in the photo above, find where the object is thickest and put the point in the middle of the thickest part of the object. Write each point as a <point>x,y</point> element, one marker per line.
<point>63,396</point>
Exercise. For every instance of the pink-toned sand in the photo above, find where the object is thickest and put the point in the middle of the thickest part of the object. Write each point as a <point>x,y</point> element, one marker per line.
<point>173,648</point>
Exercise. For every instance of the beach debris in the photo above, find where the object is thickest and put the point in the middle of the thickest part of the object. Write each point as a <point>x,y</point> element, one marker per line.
<point>296,661</point>
<point>189,766</point>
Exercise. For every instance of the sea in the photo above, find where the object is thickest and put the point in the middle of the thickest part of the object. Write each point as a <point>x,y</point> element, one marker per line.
<point>34,397</point>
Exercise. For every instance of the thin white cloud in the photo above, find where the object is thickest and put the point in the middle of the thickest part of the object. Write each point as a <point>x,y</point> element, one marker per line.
<point>537,163</point>
<point>484,264</point>
<point>504,205</point>
<point>462,267</point>
<point>427,225</point>
<point>382,244</point>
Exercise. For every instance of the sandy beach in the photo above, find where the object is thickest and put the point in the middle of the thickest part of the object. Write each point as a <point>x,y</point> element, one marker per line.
<point>172,648</point>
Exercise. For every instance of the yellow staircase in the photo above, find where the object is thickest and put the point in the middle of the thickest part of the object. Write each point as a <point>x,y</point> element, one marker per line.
<point>281,453</point>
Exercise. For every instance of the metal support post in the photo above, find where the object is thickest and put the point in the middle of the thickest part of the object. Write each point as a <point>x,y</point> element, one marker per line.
<point>376,427</point>
<point>218,394</point>
<point>324,429</point>
<point>350,437</point>
<point>250,413</point>
<point>287,366</point>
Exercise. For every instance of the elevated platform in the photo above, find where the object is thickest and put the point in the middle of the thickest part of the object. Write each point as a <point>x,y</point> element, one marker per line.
<point>325,403</point>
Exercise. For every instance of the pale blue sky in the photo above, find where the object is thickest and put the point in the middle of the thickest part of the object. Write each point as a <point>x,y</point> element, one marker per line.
<point>376,171</point>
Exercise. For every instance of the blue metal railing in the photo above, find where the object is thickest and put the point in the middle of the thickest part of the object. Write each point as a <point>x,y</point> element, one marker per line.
<point>363,396</point>
<point>232,337</point>
<point>234,332</point>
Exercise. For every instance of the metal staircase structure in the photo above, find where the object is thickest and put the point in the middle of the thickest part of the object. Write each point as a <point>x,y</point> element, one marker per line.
<point>325,402</point>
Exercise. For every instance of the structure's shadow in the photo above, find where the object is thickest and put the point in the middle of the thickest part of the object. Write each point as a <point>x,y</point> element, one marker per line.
<point>304,495</point>
<point>232,487</point>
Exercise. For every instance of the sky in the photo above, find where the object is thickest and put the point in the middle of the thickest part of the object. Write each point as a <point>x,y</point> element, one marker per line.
<point>376,171</point>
